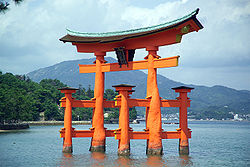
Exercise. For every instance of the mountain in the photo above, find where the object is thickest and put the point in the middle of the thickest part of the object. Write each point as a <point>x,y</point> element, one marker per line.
<point>202,96</point>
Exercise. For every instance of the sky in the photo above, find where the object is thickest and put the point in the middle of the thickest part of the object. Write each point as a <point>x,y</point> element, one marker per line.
<point>219,54</point>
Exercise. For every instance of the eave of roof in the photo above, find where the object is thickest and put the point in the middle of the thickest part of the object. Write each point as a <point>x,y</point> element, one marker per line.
<point>84,37</point>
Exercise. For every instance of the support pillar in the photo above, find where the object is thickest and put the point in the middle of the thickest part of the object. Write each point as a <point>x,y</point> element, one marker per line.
<point>67,140</point>
<point>98,139</point>
<point>153,113</point>
<point>183,124</point>
<point>124,142</point>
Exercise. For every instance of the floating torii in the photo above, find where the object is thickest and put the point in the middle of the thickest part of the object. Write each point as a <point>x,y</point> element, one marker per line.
<point>124,43</point>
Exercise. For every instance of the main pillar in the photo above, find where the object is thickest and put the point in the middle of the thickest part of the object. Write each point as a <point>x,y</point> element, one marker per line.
<point>67,140</point>
<point>124,142</point>
<point>183,124</point>
<point>98,139</point>
<point>153,113</point>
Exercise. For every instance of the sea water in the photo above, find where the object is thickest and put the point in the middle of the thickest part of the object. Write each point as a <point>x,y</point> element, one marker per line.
<point>213,143</point>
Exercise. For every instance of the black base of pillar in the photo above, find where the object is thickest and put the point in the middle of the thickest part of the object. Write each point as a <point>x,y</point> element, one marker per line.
<point>151,151</point>
<point>183,150</point>
<point>97,148</point>
<point>125,152</point>
<point>67,149</point>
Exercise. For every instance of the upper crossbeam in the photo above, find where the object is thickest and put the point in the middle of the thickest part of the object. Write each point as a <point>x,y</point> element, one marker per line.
<point>133,65</point>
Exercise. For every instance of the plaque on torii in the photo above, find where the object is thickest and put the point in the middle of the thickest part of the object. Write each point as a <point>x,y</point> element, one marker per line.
<point>124,44</point>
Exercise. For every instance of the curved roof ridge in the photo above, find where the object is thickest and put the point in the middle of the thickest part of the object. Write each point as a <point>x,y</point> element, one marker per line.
<point>132,31</point>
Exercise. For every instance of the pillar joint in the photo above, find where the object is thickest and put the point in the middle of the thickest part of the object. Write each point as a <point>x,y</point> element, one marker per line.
<point>152,50</point>
<point>100,57</point>
<point>182,89</point>
<point>100,54</point>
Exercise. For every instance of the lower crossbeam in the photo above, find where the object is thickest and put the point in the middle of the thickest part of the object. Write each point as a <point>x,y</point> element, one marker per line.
<point>132,134</point>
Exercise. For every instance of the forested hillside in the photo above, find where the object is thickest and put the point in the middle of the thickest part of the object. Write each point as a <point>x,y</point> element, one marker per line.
<point>24,100</point>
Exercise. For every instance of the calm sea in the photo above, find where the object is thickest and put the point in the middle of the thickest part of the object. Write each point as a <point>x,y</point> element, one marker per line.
<point>213,144</point>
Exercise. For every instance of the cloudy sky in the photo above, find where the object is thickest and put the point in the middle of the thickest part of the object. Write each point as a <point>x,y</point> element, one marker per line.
<point>219,54</point>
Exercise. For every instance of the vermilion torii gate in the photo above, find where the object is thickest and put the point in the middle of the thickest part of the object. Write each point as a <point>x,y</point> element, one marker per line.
<point>124,43</point>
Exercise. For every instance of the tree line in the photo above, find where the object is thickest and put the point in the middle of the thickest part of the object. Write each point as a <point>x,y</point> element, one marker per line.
<point>21,99</point>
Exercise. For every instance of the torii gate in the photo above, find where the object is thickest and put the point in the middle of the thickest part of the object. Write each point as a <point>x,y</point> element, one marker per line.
<point>124,43</point>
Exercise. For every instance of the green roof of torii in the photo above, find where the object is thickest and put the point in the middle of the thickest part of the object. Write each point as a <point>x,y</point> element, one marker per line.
<point>106,37</point>
<point>138,30</point>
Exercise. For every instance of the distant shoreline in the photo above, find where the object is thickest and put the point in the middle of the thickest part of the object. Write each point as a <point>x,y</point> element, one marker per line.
<point>14,126</point>
<point>56,122</point>
<point>49,123</point>
<point>89,122</point>
<point>216,120</point>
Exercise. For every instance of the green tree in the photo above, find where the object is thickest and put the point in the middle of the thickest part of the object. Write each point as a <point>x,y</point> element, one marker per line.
<point>52,86</point>
<point>82,114</point>
<point>90,93</point>
<point>16,100</point>
<point>81,93</point>
<point>24,100</point>
<point>51,111</point>
<point>109,94</point>
<point>4,5</point>
<point>114,114</point>
<point>132,113</point>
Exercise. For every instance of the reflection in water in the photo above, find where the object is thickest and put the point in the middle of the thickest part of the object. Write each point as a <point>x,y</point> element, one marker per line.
<point>123,161</point>
<point>98,158</point>
<point>185,160</point>
<point>67,160</point>
<point>67,155</point>
<point>155,161</point>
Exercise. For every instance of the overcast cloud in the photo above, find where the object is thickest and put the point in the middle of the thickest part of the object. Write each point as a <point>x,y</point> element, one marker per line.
<point>219,54</point>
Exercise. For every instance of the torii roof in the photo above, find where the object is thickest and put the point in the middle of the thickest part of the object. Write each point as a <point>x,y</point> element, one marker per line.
<point>190,22</point>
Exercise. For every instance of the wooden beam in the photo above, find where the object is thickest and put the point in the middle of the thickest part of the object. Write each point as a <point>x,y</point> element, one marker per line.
<point>145,134</point>
<point>146,103</point>
<point>89,104</point>
<point>86,133</point>
<point>133,134</point>
<point>117,103</point>
<point>170,103</point>
<point>134,65</point>
<point>170,135</point>
<point>84,103</point>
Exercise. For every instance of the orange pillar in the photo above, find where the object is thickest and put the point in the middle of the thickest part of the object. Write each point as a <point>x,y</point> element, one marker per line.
<point>124,143</point>
<point>98,139</point>
<point>67,141</point>
<point>183,124</point>
<point>153,113</point>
